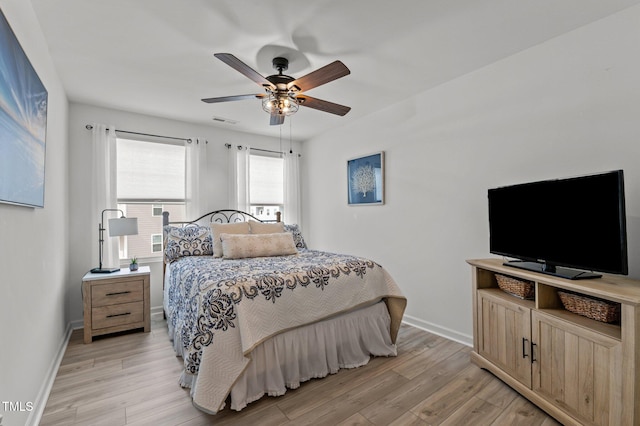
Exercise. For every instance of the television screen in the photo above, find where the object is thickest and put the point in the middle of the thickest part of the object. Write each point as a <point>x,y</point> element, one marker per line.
<point>574,223</point>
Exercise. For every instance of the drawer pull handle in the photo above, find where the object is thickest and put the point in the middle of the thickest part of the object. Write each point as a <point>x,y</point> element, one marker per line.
<point>118,293</point>
<point>118,315</point>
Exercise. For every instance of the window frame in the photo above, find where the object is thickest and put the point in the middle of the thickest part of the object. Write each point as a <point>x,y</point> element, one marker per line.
<point>155,243</point>
<point>154,203</point>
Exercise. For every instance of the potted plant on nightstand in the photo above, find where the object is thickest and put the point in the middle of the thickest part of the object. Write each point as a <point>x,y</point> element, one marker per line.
<point>133,266</point>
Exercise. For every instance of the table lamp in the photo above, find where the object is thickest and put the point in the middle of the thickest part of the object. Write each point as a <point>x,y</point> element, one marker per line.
<point>117,227</point>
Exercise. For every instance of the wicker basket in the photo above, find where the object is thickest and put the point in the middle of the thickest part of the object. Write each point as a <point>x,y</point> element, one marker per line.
<point>515,287</point>
<point>590,307</point>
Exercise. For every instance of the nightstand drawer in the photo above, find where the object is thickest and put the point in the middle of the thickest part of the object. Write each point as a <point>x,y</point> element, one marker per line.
<point>115,315</point>
<point>123,292</point>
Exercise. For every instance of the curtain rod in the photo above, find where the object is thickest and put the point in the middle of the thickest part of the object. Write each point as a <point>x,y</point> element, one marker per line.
<point>89,127</point>
<point>228,145</point>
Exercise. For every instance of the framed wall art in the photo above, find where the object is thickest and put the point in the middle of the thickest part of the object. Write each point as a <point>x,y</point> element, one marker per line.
<point>365,179</point>
<point>23,124</point>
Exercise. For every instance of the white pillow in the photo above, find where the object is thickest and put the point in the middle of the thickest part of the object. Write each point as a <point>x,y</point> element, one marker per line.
<point>226,228</point>
<point>265,228</point>
<point>236,246</point>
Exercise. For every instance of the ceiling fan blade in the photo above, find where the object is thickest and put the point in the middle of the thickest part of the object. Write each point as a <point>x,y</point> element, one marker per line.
<point>232,98</point>
<point>276,119</point>
<point>333,71</point>
<point>243,68</point>
<point>321,105</point>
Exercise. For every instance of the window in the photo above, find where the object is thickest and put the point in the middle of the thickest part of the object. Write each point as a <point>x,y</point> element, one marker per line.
<point>266,186</point>
<point>156,243</point>
<point>150,179</point>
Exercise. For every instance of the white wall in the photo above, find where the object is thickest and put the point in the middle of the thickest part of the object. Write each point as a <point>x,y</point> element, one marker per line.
<point>563,108</point>
<point>34,247</point>
<point>83,232</point>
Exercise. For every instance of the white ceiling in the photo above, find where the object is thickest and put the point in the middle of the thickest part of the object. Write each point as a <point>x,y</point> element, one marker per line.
<point>156,56</point>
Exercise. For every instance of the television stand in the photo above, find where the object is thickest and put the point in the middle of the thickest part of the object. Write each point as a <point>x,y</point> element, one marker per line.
<point>556,271</point>
<point>579,370</point>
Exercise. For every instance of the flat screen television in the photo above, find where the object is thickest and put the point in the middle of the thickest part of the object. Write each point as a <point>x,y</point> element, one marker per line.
<point>558,226</point>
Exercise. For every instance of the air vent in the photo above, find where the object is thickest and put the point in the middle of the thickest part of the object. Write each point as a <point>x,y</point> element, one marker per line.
<point>224,120</point>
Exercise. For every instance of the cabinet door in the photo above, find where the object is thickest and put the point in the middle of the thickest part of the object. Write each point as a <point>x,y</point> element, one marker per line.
<point>577,369</point>
<point>504,334</point>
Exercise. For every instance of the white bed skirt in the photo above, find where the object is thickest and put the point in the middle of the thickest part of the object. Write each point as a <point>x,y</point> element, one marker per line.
<point>312,351</point>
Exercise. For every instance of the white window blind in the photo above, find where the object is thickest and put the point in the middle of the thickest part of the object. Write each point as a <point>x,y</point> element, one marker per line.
<point>150,171</point>
<point>266,180</point>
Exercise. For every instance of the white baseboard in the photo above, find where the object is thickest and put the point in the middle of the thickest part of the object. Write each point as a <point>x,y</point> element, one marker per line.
<point>75,325</point>
<point>157,313</point>
<point>465,339</point>
<point>43,395</point>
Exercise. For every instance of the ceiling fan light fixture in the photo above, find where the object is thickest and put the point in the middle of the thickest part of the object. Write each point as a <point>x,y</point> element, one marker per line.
<point>280,104</point>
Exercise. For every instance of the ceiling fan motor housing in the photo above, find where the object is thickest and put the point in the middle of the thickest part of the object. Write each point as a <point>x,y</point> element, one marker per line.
<point>280,101</point>
<point>280,64</point>
<point>280,80</point>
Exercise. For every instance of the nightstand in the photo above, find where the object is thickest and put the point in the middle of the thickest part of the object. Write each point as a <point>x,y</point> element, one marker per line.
<point>115,302</point>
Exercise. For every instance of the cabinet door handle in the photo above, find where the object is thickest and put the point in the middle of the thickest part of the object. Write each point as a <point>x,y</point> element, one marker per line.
<point>118,315</point>
<point>118,292</point>
<point>533,358</point>
<point>524,348</point>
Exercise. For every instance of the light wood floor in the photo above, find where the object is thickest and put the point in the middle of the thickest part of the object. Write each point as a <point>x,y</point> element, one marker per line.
<point>133,380</point>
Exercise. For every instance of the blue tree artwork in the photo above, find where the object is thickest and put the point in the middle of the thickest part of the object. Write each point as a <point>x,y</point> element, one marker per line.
<point>23,124</point>
<point>366,179</point>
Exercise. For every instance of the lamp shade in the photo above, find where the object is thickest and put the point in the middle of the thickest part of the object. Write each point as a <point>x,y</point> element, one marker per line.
<point>123,226</point>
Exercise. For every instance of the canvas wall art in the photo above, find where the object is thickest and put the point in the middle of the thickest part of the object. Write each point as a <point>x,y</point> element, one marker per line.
<point>23,124</point>
<point>365,177</point>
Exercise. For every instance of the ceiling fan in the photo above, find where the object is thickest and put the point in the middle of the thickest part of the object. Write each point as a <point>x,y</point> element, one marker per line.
<point>283,94</point>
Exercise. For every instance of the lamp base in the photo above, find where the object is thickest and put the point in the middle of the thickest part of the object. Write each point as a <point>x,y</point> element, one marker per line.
<point>104,270</point>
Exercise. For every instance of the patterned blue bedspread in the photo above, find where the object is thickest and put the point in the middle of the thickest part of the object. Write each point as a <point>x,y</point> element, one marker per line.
<point>224,307</point>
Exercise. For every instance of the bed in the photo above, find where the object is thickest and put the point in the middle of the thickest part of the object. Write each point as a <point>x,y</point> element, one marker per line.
<point>252,311</point>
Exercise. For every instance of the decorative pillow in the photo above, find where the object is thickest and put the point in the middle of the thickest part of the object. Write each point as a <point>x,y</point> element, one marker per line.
<point>297,235</point>
<point>236,246</point>
<point>226,228</point>
<point>265,228</point>
<point>187,241</point>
